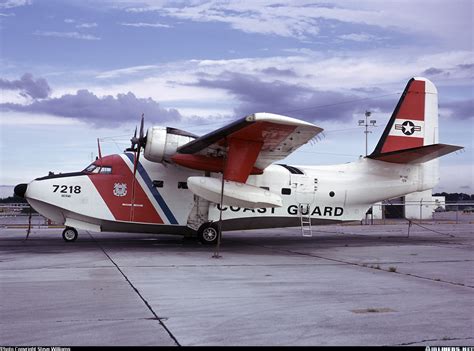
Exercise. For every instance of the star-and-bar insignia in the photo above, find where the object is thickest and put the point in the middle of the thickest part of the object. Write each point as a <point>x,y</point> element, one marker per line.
<point>408,127</point>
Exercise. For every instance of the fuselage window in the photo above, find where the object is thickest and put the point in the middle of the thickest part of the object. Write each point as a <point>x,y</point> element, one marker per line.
<point>158,183</point>
<point>286,191</point>
<point>182,185</point>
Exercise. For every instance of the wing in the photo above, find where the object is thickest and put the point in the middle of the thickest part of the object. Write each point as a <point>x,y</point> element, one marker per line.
<point>246,146</point>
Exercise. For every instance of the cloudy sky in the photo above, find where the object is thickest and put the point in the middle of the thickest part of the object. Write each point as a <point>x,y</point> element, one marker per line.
<point>72,71</point>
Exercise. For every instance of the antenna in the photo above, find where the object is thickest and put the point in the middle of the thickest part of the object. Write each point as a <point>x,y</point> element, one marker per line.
<point>366,124</point>
<point>98,146</point>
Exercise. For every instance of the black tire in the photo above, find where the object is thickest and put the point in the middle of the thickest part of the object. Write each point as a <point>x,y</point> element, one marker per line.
<point>208,234</point>
<point>69,234</point>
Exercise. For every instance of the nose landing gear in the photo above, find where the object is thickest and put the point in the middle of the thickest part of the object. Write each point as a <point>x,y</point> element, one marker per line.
<point>69,234</point>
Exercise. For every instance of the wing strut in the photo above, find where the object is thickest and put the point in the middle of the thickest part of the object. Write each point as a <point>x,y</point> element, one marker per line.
<point>28,231</point>
<point>219,226</point>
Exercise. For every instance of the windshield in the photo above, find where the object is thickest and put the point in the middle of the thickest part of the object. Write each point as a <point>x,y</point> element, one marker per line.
<point>90,168</point>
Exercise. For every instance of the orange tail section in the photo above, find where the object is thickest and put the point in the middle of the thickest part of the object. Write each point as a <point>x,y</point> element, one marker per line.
<point>411,135</point>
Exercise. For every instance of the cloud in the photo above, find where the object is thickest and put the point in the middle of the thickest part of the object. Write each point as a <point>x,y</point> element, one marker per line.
<point>83,105</point>
<point>433,71</point>
<point>80,25</point>
<point>100,111</point>
<point>8,4</point>
<point>279,72</point>
<point>453,71</point>
<point>142,24</point>
<point>86,25</point>
<point>28,86</point>
<point>463,109</point>
<point>76,35</point>
<point>264,18</point>
<point>307,19</point>
<point>321,70</point>
<point>125,71</point>
<point>70,35</point>
<point>277,96</point>
<point>298,81</point>
<point>32,120</point>
<point>359,37</point>
<point>469,66</point>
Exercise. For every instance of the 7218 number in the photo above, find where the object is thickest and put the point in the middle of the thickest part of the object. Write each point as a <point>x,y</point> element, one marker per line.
<point>76,189</point>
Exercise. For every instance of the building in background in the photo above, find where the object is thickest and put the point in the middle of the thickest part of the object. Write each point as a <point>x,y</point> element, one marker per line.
<point>418,205</point>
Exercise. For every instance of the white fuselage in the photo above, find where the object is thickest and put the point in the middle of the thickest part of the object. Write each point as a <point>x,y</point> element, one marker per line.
<point>163,204</point>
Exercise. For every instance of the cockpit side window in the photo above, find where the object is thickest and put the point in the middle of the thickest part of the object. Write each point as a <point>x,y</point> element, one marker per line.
<point>105,170</point>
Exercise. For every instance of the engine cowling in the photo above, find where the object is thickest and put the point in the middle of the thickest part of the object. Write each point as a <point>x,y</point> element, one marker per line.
<point>162,142</point>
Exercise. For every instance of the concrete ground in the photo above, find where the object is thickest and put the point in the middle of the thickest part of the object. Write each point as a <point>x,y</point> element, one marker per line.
<point>347,285</point>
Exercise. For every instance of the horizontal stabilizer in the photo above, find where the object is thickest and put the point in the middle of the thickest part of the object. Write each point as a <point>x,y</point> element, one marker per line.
<point>416,155</point>
<point>235,194</point>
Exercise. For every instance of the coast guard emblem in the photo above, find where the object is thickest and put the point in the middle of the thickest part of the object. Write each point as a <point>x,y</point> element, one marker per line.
<point>120,189</point>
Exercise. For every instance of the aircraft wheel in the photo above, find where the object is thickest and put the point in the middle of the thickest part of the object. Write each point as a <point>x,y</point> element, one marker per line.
<point>69,234</point>
<point>208,234</point>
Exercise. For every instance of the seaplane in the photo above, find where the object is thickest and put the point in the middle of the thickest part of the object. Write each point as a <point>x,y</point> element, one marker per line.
<point>174,182</point>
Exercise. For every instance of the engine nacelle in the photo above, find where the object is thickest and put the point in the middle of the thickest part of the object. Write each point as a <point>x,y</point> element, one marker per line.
<point>162,142</point>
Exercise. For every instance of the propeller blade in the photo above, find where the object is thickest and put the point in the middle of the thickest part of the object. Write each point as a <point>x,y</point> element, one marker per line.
<point>139,142</point>
<point>134,139</point>
<point>136,161</point>
<point>142,136</point>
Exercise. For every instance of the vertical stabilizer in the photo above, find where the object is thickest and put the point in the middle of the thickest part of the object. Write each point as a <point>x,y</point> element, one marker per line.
<point>414,122</point>
<point>411,135</point>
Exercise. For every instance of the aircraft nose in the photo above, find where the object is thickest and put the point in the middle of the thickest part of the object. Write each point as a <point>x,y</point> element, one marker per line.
<point>20,190</point>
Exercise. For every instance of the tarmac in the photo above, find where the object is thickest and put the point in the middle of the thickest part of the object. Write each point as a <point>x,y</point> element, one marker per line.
<point>346,285</point>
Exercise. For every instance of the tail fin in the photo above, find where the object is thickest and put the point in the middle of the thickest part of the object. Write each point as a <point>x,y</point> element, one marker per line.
<point>412,127</point>
<point>414,122</point>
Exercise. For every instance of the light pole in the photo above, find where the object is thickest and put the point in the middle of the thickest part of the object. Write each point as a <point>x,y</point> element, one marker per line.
<point>367,125</point>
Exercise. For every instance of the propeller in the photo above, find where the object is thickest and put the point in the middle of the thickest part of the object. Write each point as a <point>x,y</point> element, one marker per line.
<point>141,140</point>
<point>137,145</point>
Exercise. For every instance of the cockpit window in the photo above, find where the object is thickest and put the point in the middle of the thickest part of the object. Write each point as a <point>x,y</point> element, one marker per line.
<point>105,170</point>
<point>90,168</point>
<point>93,168</point>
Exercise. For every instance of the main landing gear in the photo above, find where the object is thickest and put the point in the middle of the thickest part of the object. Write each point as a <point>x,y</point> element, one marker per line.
<point>69,234</point>
<point>208,233</point>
